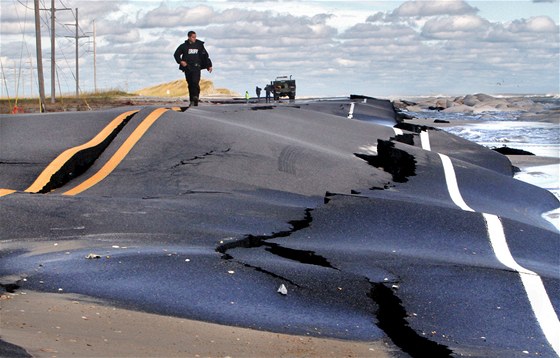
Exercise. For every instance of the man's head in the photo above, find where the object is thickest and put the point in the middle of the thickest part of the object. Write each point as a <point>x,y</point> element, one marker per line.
<point>192,36</point>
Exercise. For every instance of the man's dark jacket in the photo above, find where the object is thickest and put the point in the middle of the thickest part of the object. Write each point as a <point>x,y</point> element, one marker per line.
<point>194,54</point>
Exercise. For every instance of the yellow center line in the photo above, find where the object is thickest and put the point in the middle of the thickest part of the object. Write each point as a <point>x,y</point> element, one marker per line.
<point>4,192</point>
<point>44,178</point>
<point>120,154</point>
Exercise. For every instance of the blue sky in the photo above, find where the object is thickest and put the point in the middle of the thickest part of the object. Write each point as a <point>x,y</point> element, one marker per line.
<point>506,10</point>
<point>332,48</point>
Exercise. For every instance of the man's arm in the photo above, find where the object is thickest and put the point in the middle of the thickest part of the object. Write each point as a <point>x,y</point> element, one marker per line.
<point>178,55</point>
<point>206,59</point>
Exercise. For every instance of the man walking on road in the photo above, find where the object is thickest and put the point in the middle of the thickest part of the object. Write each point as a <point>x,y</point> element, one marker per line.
<point>192,57</point>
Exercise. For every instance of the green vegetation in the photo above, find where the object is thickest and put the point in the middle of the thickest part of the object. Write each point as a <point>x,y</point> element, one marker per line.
<point>110,98</point>
<point>86,101</point>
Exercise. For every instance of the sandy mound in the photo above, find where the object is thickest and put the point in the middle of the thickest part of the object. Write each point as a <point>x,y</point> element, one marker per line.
<point>179,88</point>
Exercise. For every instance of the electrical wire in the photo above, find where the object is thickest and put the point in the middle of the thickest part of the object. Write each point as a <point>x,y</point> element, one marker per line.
<point>61,40</point>
<point>6,84</point>
<point>23,42</point>
<point>25,5</point>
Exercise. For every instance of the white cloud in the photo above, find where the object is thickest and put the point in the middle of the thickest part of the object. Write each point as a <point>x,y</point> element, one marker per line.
<point>383,32</point>
<point>537,24</point>
<point>455,27</point>
<point>127,37</point>
<point>164,16</point>
<point>422,8</point>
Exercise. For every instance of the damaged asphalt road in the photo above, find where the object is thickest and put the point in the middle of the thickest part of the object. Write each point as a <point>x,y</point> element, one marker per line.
<point>204,213</point>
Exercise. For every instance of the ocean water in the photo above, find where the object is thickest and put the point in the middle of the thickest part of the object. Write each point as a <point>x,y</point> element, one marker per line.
<point>514,129</point>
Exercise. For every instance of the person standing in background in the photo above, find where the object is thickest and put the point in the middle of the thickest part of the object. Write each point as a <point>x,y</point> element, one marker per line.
<point>258,90</point>
<point>268,89</point>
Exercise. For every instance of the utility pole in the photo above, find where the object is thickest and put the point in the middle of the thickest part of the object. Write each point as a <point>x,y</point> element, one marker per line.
<point>77,66</point>
<point>77,37</point>
<point>53,51</point>
<point>94,62</point>
<point>16,82</point>
<point>39,57</point>
<point>30,77</point>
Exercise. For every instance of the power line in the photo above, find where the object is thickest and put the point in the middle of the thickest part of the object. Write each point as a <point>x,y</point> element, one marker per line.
<point>25,5</point>
<point>42,21</point>
<point>23,44</point>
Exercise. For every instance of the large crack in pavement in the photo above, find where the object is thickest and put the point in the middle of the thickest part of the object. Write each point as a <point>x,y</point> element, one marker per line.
<point>301,256</point>
<point>252,241</point>
<point>415,128</point>
<point>197,159</point>
<point>82,160</point>
<point>391,314</point>
<point>10,287</point>
<point>406,138</point>
<point>391,318</point>
<point>394,161</point>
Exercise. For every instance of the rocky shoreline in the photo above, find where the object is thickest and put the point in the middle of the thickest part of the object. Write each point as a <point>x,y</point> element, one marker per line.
<point>528,108</point>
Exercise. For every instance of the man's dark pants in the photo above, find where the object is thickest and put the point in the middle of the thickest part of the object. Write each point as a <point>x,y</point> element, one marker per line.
<point>193,81</point>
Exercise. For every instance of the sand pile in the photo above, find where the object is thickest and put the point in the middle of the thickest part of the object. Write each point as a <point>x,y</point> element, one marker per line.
<point>179,88</point>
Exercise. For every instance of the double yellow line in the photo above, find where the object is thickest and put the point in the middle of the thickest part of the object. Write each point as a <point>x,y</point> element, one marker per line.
<point>45,176</point>
<point>4,192</point>
<point>119,154</point>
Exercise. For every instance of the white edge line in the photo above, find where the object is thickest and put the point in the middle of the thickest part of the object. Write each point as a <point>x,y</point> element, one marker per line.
<point>452,186</point>
<point>534,287</point>
<point>351,112</point>
<point>425,139</point>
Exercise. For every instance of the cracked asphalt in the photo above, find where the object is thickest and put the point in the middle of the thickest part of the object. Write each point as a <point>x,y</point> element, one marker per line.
<point>210,209</point>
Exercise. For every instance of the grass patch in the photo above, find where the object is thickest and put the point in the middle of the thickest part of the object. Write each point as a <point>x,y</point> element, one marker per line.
<point>110,98</point>
<point>66,102</point>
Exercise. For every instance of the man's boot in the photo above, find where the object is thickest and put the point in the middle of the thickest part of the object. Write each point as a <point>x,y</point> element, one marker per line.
<point>195,101</point>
